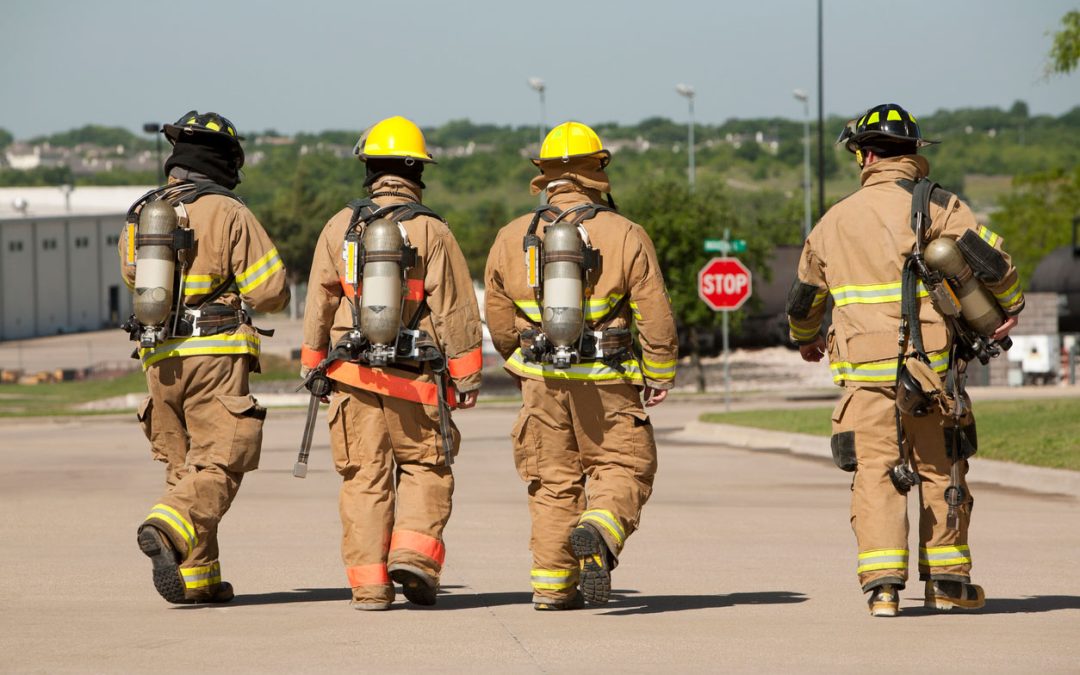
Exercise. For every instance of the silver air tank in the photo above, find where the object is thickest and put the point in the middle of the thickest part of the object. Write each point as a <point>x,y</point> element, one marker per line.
<point>380,303</point>
<point>562,318</point>
<point>976,304</point>
<point>155,265</point>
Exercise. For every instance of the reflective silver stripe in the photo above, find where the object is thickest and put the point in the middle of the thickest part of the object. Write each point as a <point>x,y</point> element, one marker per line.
<point>554,580</point>
<point>607,520</point>
<point>869,294</point>
<point>530,309</point>
<point>254,276</point>
<point>241,343</point>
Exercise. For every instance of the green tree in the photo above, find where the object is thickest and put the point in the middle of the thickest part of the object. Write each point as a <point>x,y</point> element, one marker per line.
<point>5,138</point>
<point>1065,52</point>
<point>1036,217</point>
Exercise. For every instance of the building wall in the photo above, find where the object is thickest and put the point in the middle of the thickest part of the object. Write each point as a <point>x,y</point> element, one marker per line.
<point>60,274</point>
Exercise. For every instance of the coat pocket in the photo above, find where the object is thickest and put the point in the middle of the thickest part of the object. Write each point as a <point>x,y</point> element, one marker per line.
<point>242,424</point>
<point>526,447</point>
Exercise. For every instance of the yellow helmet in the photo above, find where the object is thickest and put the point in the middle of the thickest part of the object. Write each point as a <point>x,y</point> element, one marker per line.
<point>394,137</point>
<point>572,139</point>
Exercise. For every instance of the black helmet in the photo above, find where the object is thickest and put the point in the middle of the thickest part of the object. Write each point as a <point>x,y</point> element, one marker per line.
<point>885,121</point>
<point>207,127</point>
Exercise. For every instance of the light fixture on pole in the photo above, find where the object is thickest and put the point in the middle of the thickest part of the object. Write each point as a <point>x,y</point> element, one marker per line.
<point>154,128</point>
<point>801,95</point>
<point>688,91</point>
<point>538,85</point>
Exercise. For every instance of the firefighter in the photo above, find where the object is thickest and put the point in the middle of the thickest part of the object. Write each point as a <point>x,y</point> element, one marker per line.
<point>385,426</point>
<point>858,254</point>
<point>200,417</point>
<point>582,442</point>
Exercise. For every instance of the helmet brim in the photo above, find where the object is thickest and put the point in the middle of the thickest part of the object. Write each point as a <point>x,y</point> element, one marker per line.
<point>853,141</point>
<point>173,131</point>
<point>604,155</point>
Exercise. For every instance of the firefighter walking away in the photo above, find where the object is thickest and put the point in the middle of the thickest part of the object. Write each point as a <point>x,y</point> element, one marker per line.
<point>563,284</point>
<point>191,252</point>
<point>919,289</point>
<point>392,327</point>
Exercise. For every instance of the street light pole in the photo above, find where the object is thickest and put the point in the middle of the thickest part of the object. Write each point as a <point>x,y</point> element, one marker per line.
<point>538,85</point>
<point>801,95</point>
<point>155,128</point>
<point>688,91</point>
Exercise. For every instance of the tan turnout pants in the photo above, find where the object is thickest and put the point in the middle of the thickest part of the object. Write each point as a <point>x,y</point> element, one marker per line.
<point>588,454</point>
<point>396,491</point>
<point>864,433</point>
<point>203,423</point>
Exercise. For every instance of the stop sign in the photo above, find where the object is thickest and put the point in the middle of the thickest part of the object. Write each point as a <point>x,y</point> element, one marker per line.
<point>724,284</point>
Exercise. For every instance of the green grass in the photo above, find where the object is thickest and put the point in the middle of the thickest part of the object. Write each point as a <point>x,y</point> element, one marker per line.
<point>1042,432</point>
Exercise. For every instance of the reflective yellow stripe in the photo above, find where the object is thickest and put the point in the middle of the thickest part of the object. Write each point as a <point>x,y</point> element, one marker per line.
<point>658,370</point>
<point>239,343</point>
<point>803,333</point>
<point>131,245</point>
<point>874,117</point>
<point>945,556</point>
<point>598,308</point>
<point>634,310</point>
<point>883,559</point>
<point>256,274</point>
<point>553,580</point>
<point>201,577</point>
<point>988,236</point>
<point>594,371</point>
<point>819,298</point>
<point>530,309</point>
<point>607,520</point>
<point>894,115</point>
<point>881,371</point>
<point>1011,295</point>
<point>871,294</point>
<point>176,522</point>
<point>201,284</point>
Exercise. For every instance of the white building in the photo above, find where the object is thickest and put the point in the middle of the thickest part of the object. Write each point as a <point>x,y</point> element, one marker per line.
<point>59,268</point>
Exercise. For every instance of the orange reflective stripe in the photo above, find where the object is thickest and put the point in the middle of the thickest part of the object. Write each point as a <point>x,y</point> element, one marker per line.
<point>368,379</point>
<point>367,575</point>
<point>347,288</point>
<point>421,543</point>
<point>310,357</point>
<point>466,364</point>
<point>414,290</point>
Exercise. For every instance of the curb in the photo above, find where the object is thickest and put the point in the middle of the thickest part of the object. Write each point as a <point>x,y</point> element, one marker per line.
<point>1008,475</point>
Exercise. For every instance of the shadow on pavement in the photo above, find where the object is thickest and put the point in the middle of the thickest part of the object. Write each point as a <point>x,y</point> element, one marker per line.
<point>1031,605</point>
<point>281,597</point>
<point>655,604</point>
<point>474,600</point>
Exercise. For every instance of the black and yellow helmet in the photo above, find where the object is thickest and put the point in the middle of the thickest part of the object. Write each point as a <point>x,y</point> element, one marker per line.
<point>885,121</point>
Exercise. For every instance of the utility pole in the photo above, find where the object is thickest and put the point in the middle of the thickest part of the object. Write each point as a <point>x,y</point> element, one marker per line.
<point>820,114</point>
<point>688,91</point>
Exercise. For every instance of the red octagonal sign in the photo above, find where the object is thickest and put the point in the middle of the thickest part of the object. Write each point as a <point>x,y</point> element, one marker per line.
<point>724,284</point>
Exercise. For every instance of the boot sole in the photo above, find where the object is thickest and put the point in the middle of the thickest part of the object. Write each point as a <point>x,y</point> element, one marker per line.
<point>595,578</point>
<point>945,603</point>
<point>167,579</point>
<point>415,589</point>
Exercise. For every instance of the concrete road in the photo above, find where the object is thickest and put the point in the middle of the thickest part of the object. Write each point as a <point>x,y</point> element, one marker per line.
<point>745,563</point>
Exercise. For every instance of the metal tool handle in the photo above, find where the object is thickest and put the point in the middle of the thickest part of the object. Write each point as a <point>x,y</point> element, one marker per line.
<point>300,468</point>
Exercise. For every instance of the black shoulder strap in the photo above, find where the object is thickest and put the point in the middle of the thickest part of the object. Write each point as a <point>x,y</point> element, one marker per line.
<point>920,207</point>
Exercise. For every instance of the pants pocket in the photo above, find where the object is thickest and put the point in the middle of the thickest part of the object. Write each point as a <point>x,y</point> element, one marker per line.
<point>242,425</point>
<point>145,417</point>
<point>842,442</point>
<point>526,447</point>
<point>339,438</point>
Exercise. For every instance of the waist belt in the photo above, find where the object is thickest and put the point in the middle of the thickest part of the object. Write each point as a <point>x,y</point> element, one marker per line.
<point>209,320</point>
<point>610,346</point>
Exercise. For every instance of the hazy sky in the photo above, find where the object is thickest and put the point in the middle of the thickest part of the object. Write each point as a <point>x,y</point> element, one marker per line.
<point>340,64</point>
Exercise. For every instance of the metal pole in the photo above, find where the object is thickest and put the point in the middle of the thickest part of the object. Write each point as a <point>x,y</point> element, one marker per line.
<point>724,333</point>
<point>820,115</point>
<point>690,142</point>
<point>806,169</point>
<point>160,165</point>
<point>542,117</point>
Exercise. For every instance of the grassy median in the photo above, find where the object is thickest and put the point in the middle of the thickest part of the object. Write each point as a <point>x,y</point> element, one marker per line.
<point>1042,432</point>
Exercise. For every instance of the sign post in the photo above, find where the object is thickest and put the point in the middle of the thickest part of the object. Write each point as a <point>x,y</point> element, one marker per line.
<point>724,284</point>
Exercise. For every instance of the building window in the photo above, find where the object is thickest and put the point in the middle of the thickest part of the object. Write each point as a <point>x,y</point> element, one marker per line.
<point>15,246</point>
<point>48,244</point>
<point>82,242</point>
<point>112,240</point>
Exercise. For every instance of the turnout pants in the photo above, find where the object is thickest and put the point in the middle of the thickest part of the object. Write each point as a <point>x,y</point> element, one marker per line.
<point>396,490</point>
<point>203,423</point>
<point>864,435</point>
<point>588,455</point>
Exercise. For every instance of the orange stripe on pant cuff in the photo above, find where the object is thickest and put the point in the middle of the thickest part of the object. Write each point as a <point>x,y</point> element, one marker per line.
<point>421,543</point>
<point>367,575</point>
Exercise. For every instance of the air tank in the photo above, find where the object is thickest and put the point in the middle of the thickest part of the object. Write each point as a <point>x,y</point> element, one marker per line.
<point>380,303</point>
<point>978,307</point>
<point>155,265</point>
<point>562,319</point>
